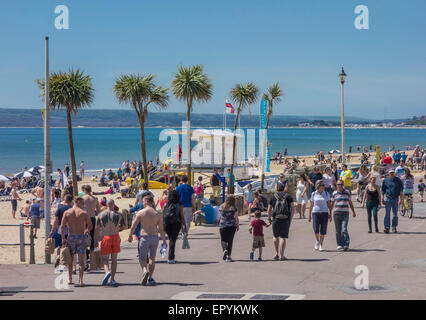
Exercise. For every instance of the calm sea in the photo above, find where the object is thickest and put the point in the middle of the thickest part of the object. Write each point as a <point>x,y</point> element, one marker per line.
<point>109,147</point>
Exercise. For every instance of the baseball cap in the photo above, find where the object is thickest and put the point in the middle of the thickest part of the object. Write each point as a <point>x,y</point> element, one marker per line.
<point>392,170</point>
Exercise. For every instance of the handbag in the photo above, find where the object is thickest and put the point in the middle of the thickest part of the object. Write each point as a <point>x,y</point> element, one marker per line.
<point>96,259</point>
<point>50,246</point>
<point>65,257</point>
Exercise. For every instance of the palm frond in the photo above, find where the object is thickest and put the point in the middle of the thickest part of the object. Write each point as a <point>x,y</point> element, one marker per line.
<point>71,90</point>
<point>244,95</point>
<point>191,84</point>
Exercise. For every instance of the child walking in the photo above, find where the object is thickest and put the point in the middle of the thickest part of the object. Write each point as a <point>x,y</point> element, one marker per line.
<point>421,188</point>
<point>256,227</point>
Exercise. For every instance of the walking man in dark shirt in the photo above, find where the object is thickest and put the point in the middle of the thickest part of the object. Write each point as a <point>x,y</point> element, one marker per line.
<point>392,191</point>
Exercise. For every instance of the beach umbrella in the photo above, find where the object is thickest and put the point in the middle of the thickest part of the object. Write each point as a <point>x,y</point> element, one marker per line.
<point>4,178</point>
<point>36,168</point>
<point>23,174</point>
<point>334,151</point>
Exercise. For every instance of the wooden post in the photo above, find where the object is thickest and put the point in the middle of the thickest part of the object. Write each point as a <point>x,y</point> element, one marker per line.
<point>22,241</point>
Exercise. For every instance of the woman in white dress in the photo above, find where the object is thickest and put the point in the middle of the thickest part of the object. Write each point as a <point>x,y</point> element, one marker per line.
<point>301,195</point>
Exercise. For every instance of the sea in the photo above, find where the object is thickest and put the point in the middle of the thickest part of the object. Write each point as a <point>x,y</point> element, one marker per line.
<point>101,148</point>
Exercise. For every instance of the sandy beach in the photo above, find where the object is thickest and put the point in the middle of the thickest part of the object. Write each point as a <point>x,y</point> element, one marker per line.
<point>10,254</point>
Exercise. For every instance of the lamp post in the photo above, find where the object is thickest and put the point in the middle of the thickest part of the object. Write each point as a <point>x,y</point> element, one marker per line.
<point>47,162</point>
<point>342,77</point>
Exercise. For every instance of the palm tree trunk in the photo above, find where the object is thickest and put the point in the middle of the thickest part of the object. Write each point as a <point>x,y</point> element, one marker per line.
<point>234,146</point>
<point>188,137</point>
<point>143,149</point>
<point>72,155</point>
<point>262,180</point>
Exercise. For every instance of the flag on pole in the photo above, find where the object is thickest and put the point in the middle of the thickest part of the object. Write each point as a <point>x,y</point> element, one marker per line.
<point>229,108</point>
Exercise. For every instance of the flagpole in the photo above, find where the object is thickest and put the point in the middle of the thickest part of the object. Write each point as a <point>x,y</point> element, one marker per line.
<point>225,114</point>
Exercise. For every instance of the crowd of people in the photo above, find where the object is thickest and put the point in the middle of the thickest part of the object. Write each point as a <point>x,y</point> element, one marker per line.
<point>83,223</point>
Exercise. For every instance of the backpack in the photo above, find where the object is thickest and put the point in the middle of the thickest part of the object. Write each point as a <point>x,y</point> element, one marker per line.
<point>281,209</point>
<point>170,214</point>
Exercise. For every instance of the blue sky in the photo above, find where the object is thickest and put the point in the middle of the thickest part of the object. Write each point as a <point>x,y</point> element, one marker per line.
<point>300,43</point>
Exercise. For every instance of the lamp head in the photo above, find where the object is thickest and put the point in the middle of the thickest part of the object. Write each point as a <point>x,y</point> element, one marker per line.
<point>342,76</point>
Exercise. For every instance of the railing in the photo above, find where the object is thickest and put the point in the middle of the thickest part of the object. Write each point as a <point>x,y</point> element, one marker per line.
<point>22,243</point>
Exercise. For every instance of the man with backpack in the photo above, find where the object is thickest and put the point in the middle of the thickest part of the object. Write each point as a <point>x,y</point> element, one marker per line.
<point>173,222</point>
<point>280,214</point>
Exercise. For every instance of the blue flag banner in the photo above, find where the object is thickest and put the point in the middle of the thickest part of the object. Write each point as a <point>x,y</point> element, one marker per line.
<point>263,118</point>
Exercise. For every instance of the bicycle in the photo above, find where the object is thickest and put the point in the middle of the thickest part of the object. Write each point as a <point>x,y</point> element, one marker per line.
<point>407,206</point>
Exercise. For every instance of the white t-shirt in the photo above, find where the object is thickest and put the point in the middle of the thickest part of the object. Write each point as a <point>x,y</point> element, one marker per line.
<point>328,180</point>
<point>377,176</point>
<point>320,201</point>
<point>400,171</point>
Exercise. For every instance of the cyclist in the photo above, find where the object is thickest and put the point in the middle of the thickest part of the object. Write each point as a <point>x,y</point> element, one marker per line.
<point>408,183</point>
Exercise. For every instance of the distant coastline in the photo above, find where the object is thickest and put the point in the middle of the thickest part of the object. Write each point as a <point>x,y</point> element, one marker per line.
<point>200,127</point>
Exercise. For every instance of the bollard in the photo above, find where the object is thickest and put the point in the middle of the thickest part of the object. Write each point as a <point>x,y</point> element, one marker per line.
<point>32,254</point>
<point>22,241</point>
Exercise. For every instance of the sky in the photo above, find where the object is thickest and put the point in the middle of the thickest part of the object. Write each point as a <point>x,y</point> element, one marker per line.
<point>302,44</point>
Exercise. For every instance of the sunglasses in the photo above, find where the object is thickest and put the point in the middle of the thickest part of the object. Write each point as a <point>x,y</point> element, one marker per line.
<point>339,184</point>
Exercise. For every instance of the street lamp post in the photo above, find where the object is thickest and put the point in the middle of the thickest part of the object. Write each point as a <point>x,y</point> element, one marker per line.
<point>342,77</point>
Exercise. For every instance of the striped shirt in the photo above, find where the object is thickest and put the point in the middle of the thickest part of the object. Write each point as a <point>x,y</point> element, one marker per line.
<point>341,202</point>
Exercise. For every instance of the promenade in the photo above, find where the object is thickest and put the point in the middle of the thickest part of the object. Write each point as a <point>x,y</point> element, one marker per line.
<point>396,265</point>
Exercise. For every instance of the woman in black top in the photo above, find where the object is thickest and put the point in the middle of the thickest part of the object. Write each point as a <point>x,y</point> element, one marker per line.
<point>373,198</point>
<point>173,222</point>
<point>228,225</point>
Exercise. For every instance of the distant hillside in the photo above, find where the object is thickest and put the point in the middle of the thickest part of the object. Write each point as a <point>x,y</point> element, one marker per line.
<point>416,121</point>
<point>127,118</point>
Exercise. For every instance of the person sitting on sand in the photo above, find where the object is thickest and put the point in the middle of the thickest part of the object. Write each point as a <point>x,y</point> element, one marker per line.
<point>25,209</point>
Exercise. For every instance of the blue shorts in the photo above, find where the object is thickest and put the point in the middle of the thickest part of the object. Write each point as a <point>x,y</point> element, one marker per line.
<point>320,222</point>
<point>77,243</point>
<point>58,239</point>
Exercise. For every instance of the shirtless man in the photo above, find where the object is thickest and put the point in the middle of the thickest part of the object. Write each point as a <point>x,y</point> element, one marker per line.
<point>92,207</point>
<point>25,209</point>
<point>151,224</point>
<point>38,192</point>
<point>79,226</point>
<point>15,198</point>
<point>110,223</point>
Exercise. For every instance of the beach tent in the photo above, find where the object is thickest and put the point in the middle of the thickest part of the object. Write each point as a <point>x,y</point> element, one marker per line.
<point>4,178</point>
<point>334,151</point>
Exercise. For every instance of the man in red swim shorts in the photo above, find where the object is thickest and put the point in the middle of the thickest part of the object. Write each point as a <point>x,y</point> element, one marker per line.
<point>110,223</point>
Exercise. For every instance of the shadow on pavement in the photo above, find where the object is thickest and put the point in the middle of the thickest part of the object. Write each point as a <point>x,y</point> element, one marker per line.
<point>196,263</point>
<point>272,260</point>
<point>363,250</point>
<point>202,238</point>
<point>161,284</point>
<point>402,232</point>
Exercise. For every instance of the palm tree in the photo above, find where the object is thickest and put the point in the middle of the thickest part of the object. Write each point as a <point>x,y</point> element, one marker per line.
<point>71,91</point>
<point>272,95</point>
<point>141,91</point>
<point>191,85</point>
<point>243,95</point>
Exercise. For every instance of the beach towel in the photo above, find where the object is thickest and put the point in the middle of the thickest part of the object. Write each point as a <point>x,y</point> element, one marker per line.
<point>65,258</point>
<point>95,259</point>
<point>185,243</point>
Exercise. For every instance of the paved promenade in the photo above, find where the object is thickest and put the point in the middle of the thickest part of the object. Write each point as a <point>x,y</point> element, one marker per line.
<point>396,265</point>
